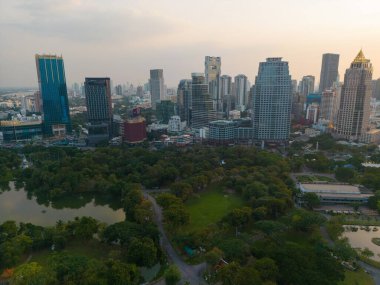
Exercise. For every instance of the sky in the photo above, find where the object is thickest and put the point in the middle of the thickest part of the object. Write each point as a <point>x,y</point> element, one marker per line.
<point>124,39</point>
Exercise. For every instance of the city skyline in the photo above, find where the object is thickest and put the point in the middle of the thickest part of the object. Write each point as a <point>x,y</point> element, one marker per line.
<point>144,35</point>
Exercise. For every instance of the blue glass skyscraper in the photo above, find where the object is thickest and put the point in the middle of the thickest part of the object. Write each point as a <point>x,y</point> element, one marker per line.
<point>272,102</point>
<point>55,104</point>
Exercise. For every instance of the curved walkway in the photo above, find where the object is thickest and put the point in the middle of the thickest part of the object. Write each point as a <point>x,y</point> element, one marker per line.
<point>190,273</point>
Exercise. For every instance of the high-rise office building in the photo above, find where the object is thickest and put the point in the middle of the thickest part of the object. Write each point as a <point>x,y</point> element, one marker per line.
<point>99,109</point>
<point>272,101</point>
<point>212,78</point>
<point>329,71</point>
<point>119,90</point>
<point>354,111</point>
<point>226,93</point>
<point>307,85</point>
<point>376,89</point>
<point>202,107</point>
<point>328,105</point>
<point>212,68</point>
<point>53,92</point>
<point>241,91</point>
<point>184,100</point>
<point>157,86</point>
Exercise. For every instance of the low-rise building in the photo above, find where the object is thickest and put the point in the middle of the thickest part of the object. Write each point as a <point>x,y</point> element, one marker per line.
<point>335,193</point>
<point>222,132</point>
<point>20,130</point>
<point>134,130</point>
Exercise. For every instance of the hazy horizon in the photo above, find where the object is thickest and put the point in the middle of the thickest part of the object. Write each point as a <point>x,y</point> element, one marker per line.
<point>125,39</point>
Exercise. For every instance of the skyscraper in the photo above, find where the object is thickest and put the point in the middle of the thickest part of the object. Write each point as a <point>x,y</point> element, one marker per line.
<point>212,68</point>
<point>376,89</point>
<point>53,92</point>
<point>184,100</point>
<point>272,101</point>
<point>307,85</point>
<point>328,107</point>
<point>157,86</point>
<point>329,71</point>
<point>226,93</point>
<point>212,78</point>
<point>202,108</point>
<point>99,109</point>
<point>241,91</point>
<point>354,111</point>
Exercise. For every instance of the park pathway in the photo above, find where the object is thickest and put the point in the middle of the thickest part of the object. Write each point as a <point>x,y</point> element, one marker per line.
<point>190,273</point>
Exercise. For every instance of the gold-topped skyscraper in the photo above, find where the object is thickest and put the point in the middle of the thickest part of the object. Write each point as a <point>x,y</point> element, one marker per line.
<point>354,111</point>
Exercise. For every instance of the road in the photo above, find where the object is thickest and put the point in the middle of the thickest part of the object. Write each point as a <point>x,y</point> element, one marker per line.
<point>190,273</point>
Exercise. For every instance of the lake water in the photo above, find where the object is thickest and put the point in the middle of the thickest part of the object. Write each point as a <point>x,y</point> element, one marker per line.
<point>362,239</point>
<point>15,205</point>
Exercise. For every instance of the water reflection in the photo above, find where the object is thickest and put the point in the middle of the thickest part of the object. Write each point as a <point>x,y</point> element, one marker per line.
<point>21,206</point>
<point>362,239</point>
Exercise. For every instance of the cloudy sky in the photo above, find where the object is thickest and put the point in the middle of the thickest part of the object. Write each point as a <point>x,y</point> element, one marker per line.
<point>123,39</point>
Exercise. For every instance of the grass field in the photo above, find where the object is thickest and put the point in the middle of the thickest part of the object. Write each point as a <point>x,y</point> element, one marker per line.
<point>357,278</point>
<point>89,248</point>
<point>210,207</point>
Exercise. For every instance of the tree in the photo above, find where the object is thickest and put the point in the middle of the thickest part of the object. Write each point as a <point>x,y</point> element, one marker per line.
<point>227,274</point>
<point>33,274</point>
<point>119,273</point>
<point>84,227</point>
<point>247,275</point>
<point>172,275</point>
<point>142,252</point>
<point>167,199</point>
<point>367,253</point>
<point>311,200</point>
<point>213,256</point>
<point>8,230</point>
<point>143,212</point>
<point>344,174</point>
<point>182,190</point>
<point>344,251</point>
<point>176,215</point>
<point>267,268</point>
<point>132,199</point>
<point>240,216</point>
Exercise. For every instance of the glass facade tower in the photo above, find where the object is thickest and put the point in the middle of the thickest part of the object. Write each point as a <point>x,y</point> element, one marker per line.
<point>272,101</point>
<point>53,90</point>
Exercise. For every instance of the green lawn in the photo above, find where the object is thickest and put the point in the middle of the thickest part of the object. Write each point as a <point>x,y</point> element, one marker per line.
<point>357,278</point>
<point>210,207</point>
<point>89,248</point>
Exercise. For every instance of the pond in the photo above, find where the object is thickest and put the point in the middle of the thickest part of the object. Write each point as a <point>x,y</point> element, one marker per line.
<point>18,206</point>
<point>362,239</point>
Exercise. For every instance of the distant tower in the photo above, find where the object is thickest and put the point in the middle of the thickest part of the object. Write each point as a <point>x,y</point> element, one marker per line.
<point>328,107</point>
<point>184,103</point>
<point>212,77</point>
<point>157,86</point>
<point>226,93</point>
<point>272,101</point>
<point>53,92</point>
<point>202,109</point>
<point>99,108</point>
<point>241,91</point>
<point>329,71</point>
<point>307,85</point>
<point>354,111</point>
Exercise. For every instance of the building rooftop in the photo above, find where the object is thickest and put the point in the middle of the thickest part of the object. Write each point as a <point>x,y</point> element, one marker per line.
<point>360,58</point>
<point>15,123</point>
<point>330,188</point>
